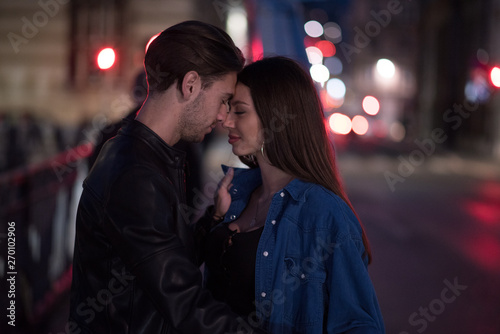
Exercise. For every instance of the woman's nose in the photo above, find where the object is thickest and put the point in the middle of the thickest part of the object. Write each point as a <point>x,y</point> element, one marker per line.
<point>228,122</point>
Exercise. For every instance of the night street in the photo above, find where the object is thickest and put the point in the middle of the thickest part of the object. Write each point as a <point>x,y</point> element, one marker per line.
<point>435,240</point>
<point>407,92</point>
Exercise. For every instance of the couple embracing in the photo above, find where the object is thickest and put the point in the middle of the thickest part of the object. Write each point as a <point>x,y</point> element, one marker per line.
<point>284,251</point>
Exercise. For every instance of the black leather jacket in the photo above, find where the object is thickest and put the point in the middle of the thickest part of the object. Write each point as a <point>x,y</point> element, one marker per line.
<point>135,268</point>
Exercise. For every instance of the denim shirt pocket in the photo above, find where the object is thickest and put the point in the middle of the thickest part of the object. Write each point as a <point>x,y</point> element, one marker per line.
<point>304,292</point>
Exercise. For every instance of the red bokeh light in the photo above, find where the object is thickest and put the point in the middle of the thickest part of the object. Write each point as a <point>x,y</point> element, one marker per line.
<point>106,58</point>
<point>310,41</point>
<point>495,76</point>
<point>326,47</point>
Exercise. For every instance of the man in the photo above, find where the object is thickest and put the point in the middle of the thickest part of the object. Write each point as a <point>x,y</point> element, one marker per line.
<point>135,267</point>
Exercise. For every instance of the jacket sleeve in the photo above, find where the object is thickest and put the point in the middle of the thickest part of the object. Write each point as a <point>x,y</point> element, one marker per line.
<point>141,226</point>
<point>352,306</point>
<point>201,230</point>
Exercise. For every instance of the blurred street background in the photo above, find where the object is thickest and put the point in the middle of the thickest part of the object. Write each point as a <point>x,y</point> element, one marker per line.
<point>411,96</point>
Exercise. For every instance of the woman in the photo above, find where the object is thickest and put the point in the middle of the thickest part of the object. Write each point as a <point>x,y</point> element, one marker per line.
<point>289,252</point>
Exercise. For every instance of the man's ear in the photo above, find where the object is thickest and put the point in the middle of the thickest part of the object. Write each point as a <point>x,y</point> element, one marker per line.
<point>191,84</point>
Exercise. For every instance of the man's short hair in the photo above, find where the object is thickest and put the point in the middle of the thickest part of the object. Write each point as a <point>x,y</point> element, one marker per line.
<point>190,46</point>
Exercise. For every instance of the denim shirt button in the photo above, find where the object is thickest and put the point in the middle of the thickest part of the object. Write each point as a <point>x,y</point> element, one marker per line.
<point>232,217</point>
<point>273,222</point>
<point>302,276</point>
<point>263,294</point>
<point>282,194</point>
<point>235,191</point>
<point>266,253</point>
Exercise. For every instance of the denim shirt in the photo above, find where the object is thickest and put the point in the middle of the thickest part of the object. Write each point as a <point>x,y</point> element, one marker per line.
<point>311,268</point>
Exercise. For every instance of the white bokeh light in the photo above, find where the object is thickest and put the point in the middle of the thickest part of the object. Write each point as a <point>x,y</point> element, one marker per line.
<point>319,73</point>
<point>336,88</point>
<point>386,68</point>
<point>237,26</point>
<point>495,76</point>
<point>371,105</point>
<point>340,123</point>
<point>313,28</point>
<point>314,55</point>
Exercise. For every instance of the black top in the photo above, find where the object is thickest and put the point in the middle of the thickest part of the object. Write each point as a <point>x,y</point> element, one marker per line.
<point>230,263</point>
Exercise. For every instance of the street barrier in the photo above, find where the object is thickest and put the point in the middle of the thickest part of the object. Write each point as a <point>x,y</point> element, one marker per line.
<point>38,211</point>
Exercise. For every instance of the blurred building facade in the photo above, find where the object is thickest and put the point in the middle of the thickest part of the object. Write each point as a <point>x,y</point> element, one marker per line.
<point>49,52</point>
<point>459,46</point>
<point>443,53</point>
<point>48,56</point>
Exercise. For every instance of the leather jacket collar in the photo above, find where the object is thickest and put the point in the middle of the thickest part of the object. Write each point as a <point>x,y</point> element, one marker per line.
<point>172,156</point>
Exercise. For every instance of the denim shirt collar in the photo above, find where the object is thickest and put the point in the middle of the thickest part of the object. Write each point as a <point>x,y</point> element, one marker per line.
<point>251,178</point>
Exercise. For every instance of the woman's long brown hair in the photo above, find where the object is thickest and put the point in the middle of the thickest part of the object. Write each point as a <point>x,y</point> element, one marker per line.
<point>295,137</point>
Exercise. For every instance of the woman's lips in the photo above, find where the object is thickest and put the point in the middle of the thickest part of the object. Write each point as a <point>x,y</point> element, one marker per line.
<point>233,139</point>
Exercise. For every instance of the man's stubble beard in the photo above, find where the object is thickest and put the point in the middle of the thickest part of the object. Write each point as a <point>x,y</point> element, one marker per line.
<point>190,124</point>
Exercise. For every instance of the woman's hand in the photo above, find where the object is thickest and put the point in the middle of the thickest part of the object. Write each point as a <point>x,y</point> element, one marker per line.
<point>222,199</point>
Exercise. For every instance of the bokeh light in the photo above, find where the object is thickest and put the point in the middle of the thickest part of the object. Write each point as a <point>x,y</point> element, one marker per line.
<point>495,76</point>
<point>340,123</point>
<point>310,41</point>
<point>328,101</point>
<point>314,55</point>
<point>336,88</point>
<point>371,106</point>
<point>237,26</point>
<point>333,32</point>
<point>334,65</point>
<point>319,73</point>
<point>313,28</point>
<point>360,125</point>
<point>386,68</point>
<point>482,56</point>
<point>397,131</point>
<point>478,90</point>
<point>326,47</point>
<point>106,58</point>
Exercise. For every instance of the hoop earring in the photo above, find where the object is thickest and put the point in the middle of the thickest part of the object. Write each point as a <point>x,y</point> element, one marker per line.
<point>262,152</point>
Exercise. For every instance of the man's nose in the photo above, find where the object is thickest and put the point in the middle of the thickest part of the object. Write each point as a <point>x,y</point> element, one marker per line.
<point>222,114</point>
